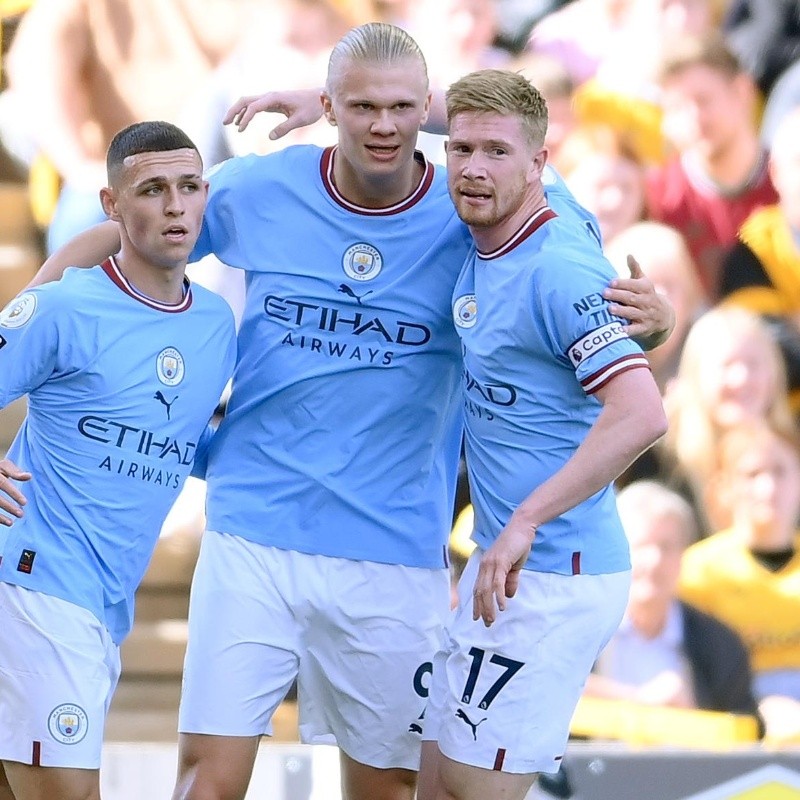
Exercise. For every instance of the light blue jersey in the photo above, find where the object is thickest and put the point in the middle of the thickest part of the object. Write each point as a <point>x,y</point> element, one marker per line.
<point>343,430</point>
<point>120,390</point>
<point>538,339</point>
<point>342,434</point>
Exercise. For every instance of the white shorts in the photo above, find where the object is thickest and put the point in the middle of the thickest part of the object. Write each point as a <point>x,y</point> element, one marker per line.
<point>58,672</point>
<point>503,697</point>
<point>359,637</point>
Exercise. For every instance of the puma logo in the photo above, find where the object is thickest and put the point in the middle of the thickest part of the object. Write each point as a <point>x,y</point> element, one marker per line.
<point>473,725</point>
<point>345,289</point>
<point>163,400</point>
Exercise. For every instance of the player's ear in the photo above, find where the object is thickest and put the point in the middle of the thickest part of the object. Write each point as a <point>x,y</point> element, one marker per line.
<point>327,108</point>
<point>538,162</point>
<point>109,203</point>
<point>426,108</point>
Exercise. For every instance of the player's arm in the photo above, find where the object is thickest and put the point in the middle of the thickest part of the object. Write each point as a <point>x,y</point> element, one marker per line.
<point>11,498</point>
<point>632,419</point>
<point>88,248</point>
<point>28,357</point>
<point>303,107</point>
<point>650,315</point>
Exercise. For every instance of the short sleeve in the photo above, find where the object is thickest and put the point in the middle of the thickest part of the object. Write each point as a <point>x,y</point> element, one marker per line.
<point>29,342</point>
<point>582,331</point>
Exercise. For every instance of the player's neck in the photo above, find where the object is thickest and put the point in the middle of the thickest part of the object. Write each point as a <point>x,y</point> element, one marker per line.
<point>491,237</point>
<point>162,283</point>
<point>376,190</point>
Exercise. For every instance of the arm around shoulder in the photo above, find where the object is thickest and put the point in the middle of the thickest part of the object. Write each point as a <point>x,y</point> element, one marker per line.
<point>87,249</point>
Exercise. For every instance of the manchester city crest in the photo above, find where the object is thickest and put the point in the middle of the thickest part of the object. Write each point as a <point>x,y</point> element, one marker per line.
<point>68,723</point>
<point>362,262</point>
<point>170,366</point>
<point>465,311</point>
<point>18,311</point>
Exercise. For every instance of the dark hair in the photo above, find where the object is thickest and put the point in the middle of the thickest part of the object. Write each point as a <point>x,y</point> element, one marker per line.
<point>145,137</point>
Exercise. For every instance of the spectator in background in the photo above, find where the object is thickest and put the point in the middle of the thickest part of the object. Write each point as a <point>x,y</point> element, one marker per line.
<point>665,259</point>
<point>731,372</point>
<point>762,271</point>
<point>624,93</point>
<point>604,172</point>
<point>582,34</point>
<point>553,80</point>
<point>300,39</point>
<point>81,70</point>
<point>748,575</point>
<point>458,37</point>
<point>719,175</point>
<point>666,652</point>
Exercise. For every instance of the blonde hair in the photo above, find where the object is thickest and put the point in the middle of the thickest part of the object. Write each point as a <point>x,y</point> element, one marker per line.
<point>693,436</point>
<point>376,43</point>
<point>501,92</point>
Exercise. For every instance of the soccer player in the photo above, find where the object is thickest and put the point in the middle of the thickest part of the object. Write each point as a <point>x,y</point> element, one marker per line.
<point>559,401</point>
<point>123,365</point>
<point>331,479</point>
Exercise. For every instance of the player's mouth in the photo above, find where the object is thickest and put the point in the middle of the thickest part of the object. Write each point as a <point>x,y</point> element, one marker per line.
<point>474,195</point>
<point>383,152</point>
<point>176,233</point>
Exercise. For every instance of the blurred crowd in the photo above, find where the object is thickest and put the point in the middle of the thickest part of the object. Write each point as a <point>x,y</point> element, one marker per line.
<point>677,122</point>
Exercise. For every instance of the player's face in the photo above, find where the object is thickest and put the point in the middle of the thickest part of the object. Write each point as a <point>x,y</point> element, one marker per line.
<point>764,487</point>
<point>738,381</point>
<point>493,171</point>
<point>704,110</point>
<point>378,110</point>
<point>159,199</point>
